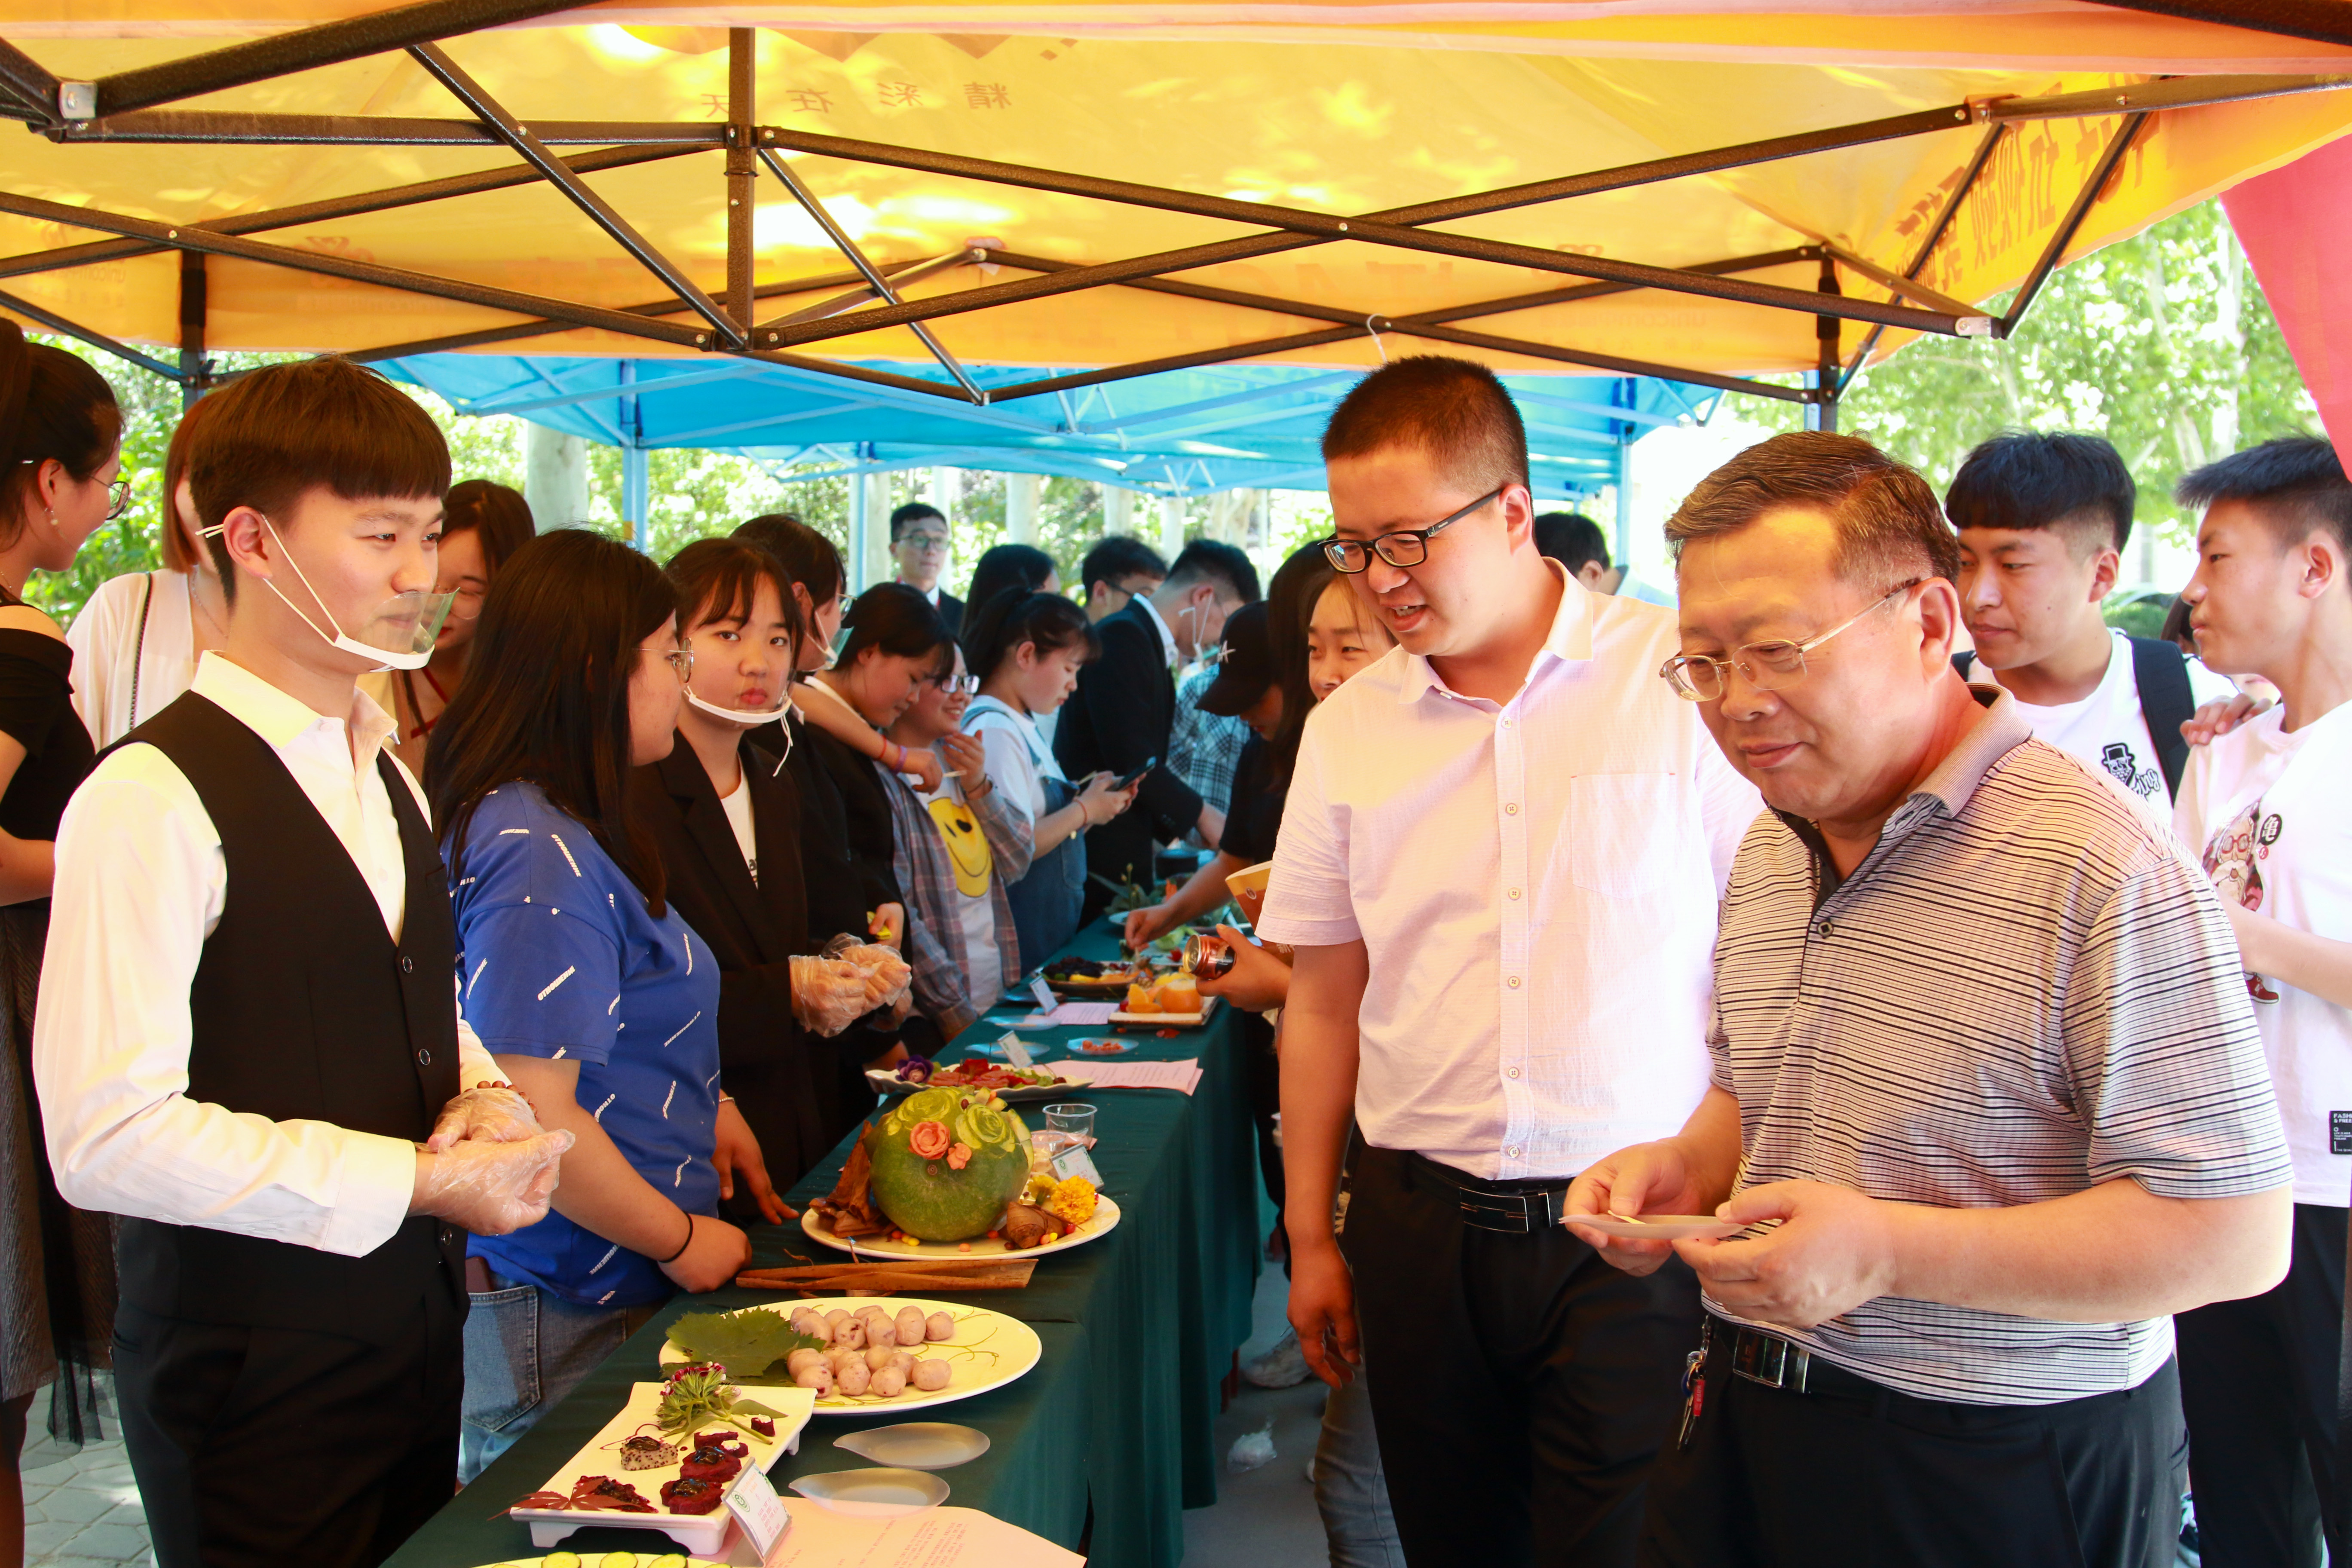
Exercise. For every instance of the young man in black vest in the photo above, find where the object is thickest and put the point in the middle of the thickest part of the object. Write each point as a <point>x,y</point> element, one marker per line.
<point>2043,521</point>
<point>248,1044</point>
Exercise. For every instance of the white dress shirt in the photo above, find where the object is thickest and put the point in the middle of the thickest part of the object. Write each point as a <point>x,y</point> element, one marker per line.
<point>138,629</point>
<point>1536,885</point>
<point>140,883</point>
<point>1167,638</point>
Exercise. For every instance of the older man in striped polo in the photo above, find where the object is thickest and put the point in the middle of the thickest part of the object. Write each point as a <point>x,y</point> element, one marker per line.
<point>1989,1101</point>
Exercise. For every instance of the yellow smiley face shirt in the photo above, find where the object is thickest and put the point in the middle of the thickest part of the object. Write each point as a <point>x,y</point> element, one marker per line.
<point>967,847</point>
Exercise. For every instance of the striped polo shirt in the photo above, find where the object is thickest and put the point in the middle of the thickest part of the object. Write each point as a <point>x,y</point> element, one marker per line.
<point>2023,991</point>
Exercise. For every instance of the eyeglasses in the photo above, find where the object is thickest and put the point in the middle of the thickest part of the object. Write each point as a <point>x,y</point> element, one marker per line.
<point>924,544</point>
<point>1404,547</point>
<point>119,499</point>
<point>957,685</point>
<point>680,660</point>
<point>1767,665</point>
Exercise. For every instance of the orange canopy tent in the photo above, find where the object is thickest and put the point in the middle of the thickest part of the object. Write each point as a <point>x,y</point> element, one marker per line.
<point>894,192</point>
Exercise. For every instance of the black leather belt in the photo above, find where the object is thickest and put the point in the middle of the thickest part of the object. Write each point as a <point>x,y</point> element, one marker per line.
<point>1515,1208</point>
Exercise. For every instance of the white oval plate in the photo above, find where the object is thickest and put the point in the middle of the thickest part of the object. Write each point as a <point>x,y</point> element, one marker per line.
<point>988,1350</point>
<point>889,1084</point>
<point>1660,1227</point>
<point>1106,1220</point>
<point>917,1445</point>
<point>883,1494</point>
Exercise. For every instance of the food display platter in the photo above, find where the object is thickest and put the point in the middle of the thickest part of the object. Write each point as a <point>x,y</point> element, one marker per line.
<point>705,1534</point>
<point>988,1350</point>
<point>890,1083</point>
<point>1105,1221</point>
<point>1168,1020</point>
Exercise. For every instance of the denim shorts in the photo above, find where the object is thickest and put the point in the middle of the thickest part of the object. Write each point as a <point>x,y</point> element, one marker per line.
<point>525,1349</point>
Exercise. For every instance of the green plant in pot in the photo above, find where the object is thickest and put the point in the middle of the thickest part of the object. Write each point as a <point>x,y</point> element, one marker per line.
<point>946,1163</point>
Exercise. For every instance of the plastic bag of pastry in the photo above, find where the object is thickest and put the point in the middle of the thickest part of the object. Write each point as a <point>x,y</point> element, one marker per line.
<point>828,994</point>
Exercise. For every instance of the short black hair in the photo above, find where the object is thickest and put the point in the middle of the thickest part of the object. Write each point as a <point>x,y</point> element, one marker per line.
<point>1003,566</point>
<point>1572,538</point>
<point>1213,561</point>
<point>1117,557</point>
<point>1890,531</point>
<point>2021,480</point>
<point>2299,474</point>
<point>1456,410</point>
<point>913,511</point>
<point>808,557</point>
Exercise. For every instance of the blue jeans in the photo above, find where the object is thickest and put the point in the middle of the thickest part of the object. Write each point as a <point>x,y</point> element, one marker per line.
<point>1350,1492</point>
<point>525,1349</point>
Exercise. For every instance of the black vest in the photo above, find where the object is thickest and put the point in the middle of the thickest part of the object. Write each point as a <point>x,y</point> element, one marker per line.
<point>304,1009</point>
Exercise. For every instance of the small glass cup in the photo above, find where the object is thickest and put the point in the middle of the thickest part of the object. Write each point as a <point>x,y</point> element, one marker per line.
<point>1074,1117</point>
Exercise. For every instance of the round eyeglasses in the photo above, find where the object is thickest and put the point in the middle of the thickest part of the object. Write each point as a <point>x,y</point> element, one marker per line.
<point>1772,666</point>
<point>1398,547</point>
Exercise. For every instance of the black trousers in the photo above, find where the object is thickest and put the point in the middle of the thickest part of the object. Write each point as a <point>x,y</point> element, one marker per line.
<point>1854,1475</point>
<point>257,1447</point>
<point>2258,1381</point>
<point>1520,1385</point>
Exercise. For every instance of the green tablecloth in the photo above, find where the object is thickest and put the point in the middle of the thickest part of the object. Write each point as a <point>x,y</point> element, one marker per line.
<point>1138,1330</point>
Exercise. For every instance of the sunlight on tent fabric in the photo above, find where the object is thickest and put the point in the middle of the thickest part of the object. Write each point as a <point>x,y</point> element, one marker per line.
<point>1333,109</point>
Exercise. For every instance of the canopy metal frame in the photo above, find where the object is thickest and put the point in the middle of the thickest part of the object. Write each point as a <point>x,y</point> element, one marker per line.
<point>126,107</point>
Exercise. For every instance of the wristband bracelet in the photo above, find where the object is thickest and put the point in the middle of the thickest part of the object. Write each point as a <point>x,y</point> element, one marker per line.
<point>683,1245</point>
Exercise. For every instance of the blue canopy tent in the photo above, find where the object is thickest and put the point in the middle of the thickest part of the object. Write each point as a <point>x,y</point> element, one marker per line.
<point>1186,432</point>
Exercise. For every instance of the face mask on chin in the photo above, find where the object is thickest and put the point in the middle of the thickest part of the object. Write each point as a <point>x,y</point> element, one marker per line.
<point>398,635</point>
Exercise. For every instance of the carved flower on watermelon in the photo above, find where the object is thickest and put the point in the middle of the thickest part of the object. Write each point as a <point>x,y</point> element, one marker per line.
<point>920,1183</point>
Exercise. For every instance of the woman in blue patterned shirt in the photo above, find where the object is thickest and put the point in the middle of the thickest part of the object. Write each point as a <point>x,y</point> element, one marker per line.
<point>591,992</point>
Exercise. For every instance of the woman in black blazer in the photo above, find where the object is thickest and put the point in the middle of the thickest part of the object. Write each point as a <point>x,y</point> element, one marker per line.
<point>726,818</point>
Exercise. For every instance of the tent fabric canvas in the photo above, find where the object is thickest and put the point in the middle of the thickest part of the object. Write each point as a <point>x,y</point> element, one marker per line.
<point>1313,108</point>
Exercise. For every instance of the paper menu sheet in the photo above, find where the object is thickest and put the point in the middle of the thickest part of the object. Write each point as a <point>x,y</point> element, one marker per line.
<point>1074,1015</point>
<point>936,1538</point>
<point>1183,1077</point>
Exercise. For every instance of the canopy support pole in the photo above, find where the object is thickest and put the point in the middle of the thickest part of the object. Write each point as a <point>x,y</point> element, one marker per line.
<point>334,208</point>
<point>861,525</point>
<point>70,328</point>
<point>1822,414</point>
<point>2085,200</point>
<point>28,82</point>
<point>1934,238</point>
<point>194,308</point>
<point>742,174</point>
<point>216,243</point>
<point>307,48</point>
<point>874,278</point>
<point>557,173</point>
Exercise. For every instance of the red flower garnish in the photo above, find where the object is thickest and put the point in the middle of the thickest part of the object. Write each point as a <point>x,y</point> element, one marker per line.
<point>929,1139</point>
<point>959,1156</point>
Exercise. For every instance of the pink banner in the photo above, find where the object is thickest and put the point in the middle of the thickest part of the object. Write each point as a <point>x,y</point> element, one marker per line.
<point>2296,226</point>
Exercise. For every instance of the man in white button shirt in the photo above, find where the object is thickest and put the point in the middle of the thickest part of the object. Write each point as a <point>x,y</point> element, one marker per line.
<point>249,1043</point>
<point>1498,864</point>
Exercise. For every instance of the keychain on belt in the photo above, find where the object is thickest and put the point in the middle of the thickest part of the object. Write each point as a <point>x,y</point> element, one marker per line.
<point>1695,1385</point>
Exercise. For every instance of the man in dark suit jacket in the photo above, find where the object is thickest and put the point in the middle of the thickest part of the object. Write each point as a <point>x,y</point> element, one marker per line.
<point>920,539</point>
<point>1125,707</point>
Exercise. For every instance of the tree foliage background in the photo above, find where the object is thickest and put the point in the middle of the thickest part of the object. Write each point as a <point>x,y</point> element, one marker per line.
<point>2163,343</point>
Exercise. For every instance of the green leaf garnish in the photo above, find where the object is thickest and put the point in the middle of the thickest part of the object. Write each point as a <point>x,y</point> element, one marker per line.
<point>753,1342</point>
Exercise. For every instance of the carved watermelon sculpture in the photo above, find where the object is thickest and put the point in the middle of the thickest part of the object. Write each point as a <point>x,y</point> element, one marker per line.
<point>943,1170</point>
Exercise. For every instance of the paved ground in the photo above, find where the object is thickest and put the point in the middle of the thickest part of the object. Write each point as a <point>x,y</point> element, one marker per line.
<point>85,1513</point>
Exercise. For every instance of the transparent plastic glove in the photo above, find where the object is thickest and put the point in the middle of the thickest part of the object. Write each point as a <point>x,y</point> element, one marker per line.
<point>888,976</point>
<point>489,1188</point>
<point>498,1115</point>
<point>828,994</point>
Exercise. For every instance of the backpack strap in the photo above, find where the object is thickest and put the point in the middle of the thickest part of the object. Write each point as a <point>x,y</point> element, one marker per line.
<point>2160,672</point>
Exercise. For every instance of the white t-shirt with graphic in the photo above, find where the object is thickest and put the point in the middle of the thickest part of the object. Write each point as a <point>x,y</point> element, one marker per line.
<point>738,817</point>
<point>2265,812</point>
<point>975,866</point>
<point>2107,732</point>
